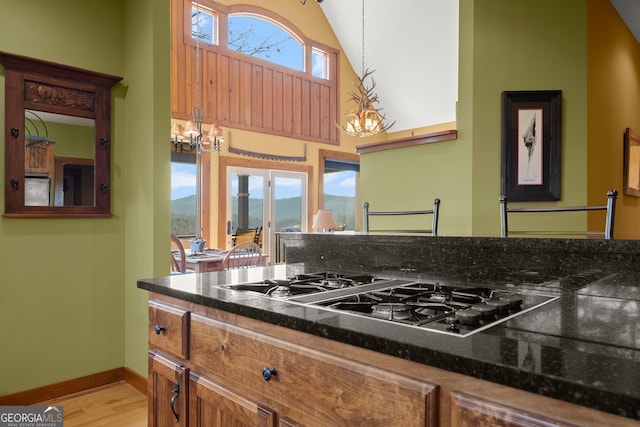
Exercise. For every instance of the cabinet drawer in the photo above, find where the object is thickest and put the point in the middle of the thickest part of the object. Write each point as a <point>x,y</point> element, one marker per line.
<point>169,329</point>
<point>469,410</point>
<point>309,386</point>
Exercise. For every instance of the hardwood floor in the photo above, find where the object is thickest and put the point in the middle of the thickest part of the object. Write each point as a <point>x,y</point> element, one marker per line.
<point>117,404</point>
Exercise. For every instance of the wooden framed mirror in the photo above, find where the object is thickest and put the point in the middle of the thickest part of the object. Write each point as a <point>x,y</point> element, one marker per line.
<point>57,139</point>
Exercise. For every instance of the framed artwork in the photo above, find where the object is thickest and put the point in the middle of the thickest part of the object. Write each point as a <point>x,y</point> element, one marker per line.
<point>531,143</point>
<point>631,163</point>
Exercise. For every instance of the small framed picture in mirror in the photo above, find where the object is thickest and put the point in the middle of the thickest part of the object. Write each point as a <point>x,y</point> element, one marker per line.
<point>631,163</point>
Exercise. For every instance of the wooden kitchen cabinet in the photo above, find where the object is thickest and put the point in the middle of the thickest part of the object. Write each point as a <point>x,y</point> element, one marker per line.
<point>167,391</point>
<point>313,381</point>
<point>244,377</point>
<point>212,405</point>
<point>305,386</point>
<point>473,411</point>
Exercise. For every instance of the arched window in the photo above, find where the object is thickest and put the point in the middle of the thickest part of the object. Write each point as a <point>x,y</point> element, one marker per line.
<point>258,71</point>
<point>262,38</point>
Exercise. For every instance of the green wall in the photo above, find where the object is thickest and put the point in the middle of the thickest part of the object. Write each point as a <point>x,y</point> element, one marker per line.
<point>504,45</point>
<point>72,140</point>
<point>147,164</point>
<point>519,47</point>
<point>69,305</point>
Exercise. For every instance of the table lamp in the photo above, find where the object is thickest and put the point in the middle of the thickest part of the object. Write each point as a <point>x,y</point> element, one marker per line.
<point>324,221</point>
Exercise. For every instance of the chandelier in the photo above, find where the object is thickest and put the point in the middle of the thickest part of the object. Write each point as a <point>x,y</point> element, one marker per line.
<point>365,119</point>
<point>192,136</point>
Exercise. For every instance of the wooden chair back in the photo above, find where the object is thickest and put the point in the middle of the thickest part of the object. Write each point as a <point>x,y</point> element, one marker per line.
<point>178,265</point>
<point>258,237</point>
<point>241,236</point>
<point>243,255</point>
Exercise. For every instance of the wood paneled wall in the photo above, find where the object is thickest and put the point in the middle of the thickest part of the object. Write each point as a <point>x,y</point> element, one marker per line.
<point>240,91</point>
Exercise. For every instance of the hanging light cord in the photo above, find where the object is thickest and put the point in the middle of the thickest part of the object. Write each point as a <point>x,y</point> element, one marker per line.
<point>198,94</point>
<point>362,38</point>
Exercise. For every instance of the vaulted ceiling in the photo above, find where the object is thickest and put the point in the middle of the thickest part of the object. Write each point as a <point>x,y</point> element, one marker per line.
<point>413,47</point>
<point>629,10</point>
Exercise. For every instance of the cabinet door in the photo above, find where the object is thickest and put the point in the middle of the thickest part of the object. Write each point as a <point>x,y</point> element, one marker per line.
<point>167,392</point>
<point>473,411</point>
<point>305,385</point>
<point>212,405</point>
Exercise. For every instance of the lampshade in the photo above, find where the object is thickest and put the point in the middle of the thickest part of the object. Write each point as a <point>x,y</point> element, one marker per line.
<point>216,131</point>
<point>190,130</point>
<point>324,221</point>
<point>176,132</point>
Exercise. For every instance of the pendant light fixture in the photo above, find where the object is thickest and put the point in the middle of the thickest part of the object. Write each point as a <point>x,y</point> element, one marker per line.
<point>365,119</point>
<point>192,136</point>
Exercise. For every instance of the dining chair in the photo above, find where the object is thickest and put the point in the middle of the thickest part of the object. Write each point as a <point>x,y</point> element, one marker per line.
<point>258,238</point>
<point>435,212</point>
<point>609,207</point>
<point>178,265</point>
<point>243,255</point>
<point>241,236</point>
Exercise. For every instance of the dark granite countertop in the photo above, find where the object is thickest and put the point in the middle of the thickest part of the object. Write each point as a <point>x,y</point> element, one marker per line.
<point>582,348</point>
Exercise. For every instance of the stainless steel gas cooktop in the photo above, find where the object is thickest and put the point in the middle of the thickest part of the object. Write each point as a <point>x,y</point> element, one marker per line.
<point>457,310</point>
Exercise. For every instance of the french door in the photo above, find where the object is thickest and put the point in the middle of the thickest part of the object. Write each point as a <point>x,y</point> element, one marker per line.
<point>275,200</point>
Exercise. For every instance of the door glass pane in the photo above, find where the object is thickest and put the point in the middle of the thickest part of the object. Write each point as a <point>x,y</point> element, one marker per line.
<point>288,198</point>
<point>274,200</point>
<point>183,198</point>
<point>247,201</point>
<point>340,196</point>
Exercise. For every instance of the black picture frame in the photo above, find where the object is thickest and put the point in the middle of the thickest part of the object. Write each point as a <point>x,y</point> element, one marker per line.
<point>631,163</point>
<point>531,145</point>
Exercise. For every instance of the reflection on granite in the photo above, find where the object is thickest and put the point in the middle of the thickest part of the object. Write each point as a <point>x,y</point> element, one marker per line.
<point>426,255</point>
<point>618,285</point>
<point>583,347</point>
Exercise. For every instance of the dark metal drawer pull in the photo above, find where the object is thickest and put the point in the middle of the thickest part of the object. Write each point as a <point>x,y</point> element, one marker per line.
<point>159,329</point>
<point>268,373</point>
<point>176,393</point>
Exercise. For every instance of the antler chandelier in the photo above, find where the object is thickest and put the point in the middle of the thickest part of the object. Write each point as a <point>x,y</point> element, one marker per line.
<point>365,119</point>
<point>192,136</point>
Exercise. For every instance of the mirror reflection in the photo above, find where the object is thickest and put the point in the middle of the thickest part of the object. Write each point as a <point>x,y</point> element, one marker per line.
<point>59,159</point>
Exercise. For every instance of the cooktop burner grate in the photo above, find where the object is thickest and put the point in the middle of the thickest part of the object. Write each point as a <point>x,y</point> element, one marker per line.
<point>305,284</point>
<point>458,310</point>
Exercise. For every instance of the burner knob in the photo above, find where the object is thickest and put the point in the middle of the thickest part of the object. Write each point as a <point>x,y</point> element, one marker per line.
<point>453,323</point>
<point>486,311</point>
<point>468,316</point>
<point>515,301</point>
<point>499,305</point>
